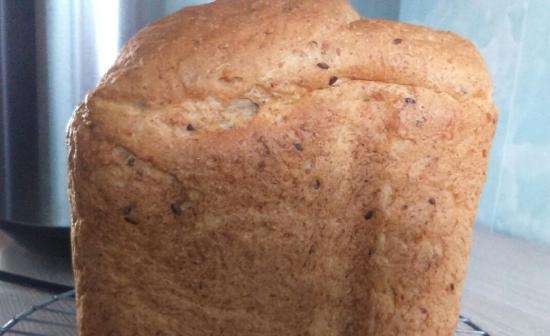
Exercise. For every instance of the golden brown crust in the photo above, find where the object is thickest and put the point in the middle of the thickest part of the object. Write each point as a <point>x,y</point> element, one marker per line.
<point>302,172</point>
<point>225,48</point>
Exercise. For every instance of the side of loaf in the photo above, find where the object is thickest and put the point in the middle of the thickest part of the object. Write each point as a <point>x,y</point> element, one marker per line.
<point>279,168</point>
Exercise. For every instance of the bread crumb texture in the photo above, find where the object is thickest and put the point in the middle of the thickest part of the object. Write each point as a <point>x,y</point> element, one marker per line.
<point>278,168</point>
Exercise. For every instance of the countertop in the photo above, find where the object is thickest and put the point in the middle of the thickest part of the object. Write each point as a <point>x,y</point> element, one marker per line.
<point>507,290</point>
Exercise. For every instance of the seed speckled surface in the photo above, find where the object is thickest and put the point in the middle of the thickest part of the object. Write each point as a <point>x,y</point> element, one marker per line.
<point>278,168</point>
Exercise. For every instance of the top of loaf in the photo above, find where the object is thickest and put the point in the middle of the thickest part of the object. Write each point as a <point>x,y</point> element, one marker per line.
<point>235,55</point>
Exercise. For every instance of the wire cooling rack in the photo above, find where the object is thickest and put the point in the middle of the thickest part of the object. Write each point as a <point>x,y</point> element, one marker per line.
<point>57,317</point>
<point>54,317</point>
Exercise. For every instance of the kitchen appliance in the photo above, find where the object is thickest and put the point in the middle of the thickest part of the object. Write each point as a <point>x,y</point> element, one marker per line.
<point>51,54</point>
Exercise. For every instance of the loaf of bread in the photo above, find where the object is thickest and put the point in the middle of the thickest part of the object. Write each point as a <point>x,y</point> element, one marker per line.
<point>279,167</point>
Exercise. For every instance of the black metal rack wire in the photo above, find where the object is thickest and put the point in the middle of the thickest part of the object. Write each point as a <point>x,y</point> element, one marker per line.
<point>467,327</point>
<point>53,317</point>
<point>57,317</point>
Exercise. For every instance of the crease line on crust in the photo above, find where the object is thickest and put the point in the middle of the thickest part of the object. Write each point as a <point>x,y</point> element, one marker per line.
<point>288,99</point>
